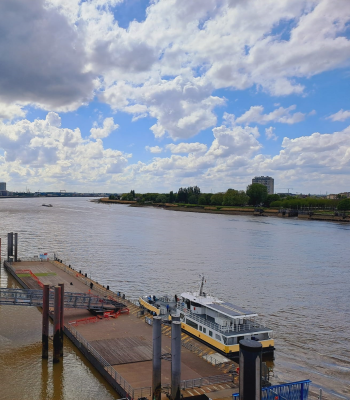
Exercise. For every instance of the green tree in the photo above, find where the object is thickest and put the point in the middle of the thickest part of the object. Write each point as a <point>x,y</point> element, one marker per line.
<point>235,198</point>
<point>202,200</point>
<point>193,199</point>
<point>217,199</point>
<point>171,197</point>
<point>270,198</point>
<point>162,198</point>
<point>111,197</point>
<point>344,205</point>
<point>257,193</point>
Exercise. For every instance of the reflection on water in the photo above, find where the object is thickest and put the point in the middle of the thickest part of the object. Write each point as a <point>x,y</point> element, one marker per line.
<point>295,274</point>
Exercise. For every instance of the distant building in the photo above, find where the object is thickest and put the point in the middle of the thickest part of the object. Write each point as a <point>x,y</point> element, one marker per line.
<point>2,186</point>
<point>267,181</point>
<point>332,196</point>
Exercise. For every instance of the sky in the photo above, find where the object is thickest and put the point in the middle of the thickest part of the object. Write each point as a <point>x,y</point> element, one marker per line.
<point>151,96</point>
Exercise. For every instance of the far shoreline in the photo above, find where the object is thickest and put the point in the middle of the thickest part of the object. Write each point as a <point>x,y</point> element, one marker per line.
<point>259,212</point>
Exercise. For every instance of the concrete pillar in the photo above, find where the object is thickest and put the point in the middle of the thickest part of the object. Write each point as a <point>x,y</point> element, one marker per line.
<point>61,318</point>
<point>45,331</point>
<point>250,357</point>
<point>16,246</point>
<point>56,325</point>
<point>175,360</point>
<point>157,362</point>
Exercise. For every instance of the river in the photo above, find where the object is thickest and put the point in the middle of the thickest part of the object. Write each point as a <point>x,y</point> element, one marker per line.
<point>294,274</point>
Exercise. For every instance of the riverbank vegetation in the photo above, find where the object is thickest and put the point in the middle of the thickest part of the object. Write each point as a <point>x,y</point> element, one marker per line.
<point>255,196</point>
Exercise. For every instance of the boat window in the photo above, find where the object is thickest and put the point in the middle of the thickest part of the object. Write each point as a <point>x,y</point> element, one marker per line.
<point>224,339</point>
<point>210,333</point>
<point>217,337</point>
<point>204,330</point>
<point>231,341</point>
<point>191,323</point>
<point>200,328</point>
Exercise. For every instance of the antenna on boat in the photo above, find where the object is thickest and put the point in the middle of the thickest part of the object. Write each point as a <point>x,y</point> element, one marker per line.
<point>201,286</point>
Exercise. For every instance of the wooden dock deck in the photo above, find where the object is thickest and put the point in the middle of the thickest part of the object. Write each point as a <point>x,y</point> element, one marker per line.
<point>122,346</point>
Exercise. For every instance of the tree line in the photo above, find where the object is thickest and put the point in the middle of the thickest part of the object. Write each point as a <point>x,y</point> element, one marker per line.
<point>255,195</point>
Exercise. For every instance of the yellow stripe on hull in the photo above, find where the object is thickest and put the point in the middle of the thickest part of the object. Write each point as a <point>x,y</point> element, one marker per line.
<point>220,346</point>
<point>149,306</point>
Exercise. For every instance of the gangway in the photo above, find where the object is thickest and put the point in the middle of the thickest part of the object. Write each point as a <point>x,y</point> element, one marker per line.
<point>34,297</point>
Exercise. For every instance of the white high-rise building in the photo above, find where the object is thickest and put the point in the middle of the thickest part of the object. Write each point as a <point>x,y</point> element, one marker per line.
<point>267,181</point>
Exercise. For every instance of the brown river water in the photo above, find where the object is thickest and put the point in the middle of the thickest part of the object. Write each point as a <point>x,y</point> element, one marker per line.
<point>294,274</point>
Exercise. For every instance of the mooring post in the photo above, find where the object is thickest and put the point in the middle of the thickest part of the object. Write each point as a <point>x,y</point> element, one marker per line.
<point>175,360</point>
<point>45,332</point>
<point>16,246</point>
<point>61,318</point>
<point>157,362</point>
<point>250,358</point>
<point>9,245</point>
<point>56,325</point>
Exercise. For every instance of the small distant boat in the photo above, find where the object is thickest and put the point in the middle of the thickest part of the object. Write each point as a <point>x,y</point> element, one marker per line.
<point>47,205</point>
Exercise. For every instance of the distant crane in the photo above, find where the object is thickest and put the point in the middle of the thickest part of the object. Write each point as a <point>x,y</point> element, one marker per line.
<point>286,188</point>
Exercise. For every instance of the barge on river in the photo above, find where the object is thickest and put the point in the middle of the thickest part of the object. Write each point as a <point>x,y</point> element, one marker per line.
<point>219,324</point>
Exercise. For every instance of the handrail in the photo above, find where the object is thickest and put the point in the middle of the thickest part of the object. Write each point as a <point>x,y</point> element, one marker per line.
<point>287,391</point>
<point>220,328</point>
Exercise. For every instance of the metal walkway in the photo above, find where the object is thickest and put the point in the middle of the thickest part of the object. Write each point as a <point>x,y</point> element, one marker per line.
<point>31,297</point>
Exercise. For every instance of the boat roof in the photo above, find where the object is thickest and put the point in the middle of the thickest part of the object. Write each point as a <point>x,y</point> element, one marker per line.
<point>228,309</point>
<point>231,310</point>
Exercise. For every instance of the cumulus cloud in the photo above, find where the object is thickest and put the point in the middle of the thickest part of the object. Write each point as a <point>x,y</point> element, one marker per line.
<point>182,108</point>
<point>270,133</point>
<point>187,148</point>
<point>43,151</point>
<point>45,57</point>
<point>108,127</point>
<point>154,149</point>
<point>341,115</point>
<point>236,140</point>
<point>233,159</point>
<point>11,111</point>
<point>281,114</point>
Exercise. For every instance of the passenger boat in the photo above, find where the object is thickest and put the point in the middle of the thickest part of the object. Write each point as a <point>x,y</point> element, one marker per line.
<point>219,324</point>
<point>47,205</point>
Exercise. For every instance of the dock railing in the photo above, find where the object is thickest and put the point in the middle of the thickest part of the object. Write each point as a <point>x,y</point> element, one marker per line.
<point>220,328</point>
<point>288,391</point>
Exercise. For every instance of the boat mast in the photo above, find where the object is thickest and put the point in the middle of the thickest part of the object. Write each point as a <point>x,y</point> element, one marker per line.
<point>201,286</point>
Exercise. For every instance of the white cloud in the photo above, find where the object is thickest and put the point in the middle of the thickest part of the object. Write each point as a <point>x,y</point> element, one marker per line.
<point>237,140</point>
<point>282,115</point>
<point>270,133</point>
<point>43,152</point>
<point>11,111</point>
<point>154,149</point>
<point>341,115</point>
<point>182,108</point>
<point>108,127</point>
<point>232,161</point>
<point>187,148</point>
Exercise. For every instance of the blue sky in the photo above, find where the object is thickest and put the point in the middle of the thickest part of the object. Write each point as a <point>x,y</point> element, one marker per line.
<point>115,95</point>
